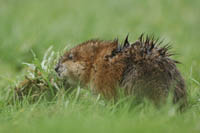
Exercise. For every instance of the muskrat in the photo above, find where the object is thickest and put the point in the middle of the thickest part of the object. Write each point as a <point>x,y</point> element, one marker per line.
<point>143,69</point>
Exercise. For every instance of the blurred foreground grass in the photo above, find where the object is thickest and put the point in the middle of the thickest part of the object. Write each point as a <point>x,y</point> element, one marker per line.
<point>36,25</point>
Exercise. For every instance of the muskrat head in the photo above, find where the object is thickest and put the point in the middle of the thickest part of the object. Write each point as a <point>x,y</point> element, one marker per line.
<point>71,67</point>
<point>74,66</point>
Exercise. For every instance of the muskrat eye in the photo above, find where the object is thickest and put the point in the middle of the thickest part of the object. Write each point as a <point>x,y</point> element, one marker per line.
<point>70,56</point>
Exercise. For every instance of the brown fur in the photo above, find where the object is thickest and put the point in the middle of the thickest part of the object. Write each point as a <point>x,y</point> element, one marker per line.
<point>143,69</point>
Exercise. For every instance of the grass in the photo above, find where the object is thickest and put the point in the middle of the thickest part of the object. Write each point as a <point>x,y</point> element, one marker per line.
<point>33,25</point>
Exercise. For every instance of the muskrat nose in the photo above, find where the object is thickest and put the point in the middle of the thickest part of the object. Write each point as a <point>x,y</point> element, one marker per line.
<point>57,68</point>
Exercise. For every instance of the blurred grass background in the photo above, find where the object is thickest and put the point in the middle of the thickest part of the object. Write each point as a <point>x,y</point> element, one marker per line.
<point>36,25</point>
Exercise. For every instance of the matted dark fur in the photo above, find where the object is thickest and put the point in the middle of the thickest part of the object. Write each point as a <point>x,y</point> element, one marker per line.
<point>151,72</point>
<point>143,68</point>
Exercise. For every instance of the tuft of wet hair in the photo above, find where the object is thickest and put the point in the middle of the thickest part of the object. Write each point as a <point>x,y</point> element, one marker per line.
<point>145,47</point>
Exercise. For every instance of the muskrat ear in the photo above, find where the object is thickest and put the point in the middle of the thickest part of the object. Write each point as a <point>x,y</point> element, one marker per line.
<point>126,42</point>
<point>70,56</point>
<point>116,40</point>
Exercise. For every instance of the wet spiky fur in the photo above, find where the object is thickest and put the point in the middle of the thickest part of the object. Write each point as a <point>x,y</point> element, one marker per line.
<point>143,68</point>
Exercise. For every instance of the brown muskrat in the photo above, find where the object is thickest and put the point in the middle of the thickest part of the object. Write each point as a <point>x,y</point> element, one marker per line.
<point>143,69</point>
